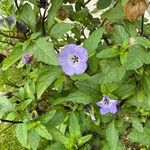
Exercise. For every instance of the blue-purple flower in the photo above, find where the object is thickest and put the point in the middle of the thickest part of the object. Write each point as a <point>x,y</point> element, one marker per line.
<point>107,105</point>
<point>27,58</point>
<point>73,59</point>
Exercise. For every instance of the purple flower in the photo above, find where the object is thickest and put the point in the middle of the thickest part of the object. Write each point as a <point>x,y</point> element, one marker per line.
<point>107,105</point>
<point>27,58</point>
<point>73,59</point>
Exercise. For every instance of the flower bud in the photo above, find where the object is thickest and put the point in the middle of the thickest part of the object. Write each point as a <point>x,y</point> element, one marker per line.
<point>21,27</point>
<point>27,58</point>
<point>87,108</point>
<point>43,4</point>
<point>62,13</point>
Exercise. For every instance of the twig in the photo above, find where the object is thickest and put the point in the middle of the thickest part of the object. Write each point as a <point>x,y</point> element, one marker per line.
<point>16,3</point>
<point>11,121</point>
<point>142,26</point>
<point>86,3</point>
<point>43,19</point>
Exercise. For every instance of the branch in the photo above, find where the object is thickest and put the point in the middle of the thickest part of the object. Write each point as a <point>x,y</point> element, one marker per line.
<point>43,19</point>
<point>142,26</point>
<point>11,121</point>
<point>86,3</point>
<point>16,3</point>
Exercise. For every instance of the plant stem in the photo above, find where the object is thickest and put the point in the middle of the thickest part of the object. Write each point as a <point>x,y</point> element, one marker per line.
<point>142,26</point>
<point>16,3</point>
<point>11,121</point>
<point>86,3</point>
<point>43,19</point>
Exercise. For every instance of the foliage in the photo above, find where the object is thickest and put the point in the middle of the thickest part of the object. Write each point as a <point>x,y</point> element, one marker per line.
<point>47,109</point>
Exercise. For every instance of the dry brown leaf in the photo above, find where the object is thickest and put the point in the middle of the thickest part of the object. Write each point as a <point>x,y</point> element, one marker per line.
<point>135,8</point>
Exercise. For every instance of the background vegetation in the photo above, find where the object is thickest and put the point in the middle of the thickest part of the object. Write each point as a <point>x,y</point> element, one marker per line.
<point>43,108</point>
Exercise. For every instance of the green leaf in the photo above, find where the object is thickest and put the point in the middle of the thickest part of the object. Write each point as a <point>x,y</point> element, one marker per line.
<point>33,139</point>
<point>24,104</point>
<point>28,16</point>
<point>52,13</point>
<point>80,15</point>
<point>114,14</point>
<point>112,136</point>
<point>14,56</point>
<point>74,127</point>
<point>146,84</point>
<point>120,35</point>
<point>93,40</point>
<point>57,135</point>
<point>58,118</point>
<point>47,116</point>
<point>137,124</point>
<point>45,79</point>
<point>125,91</point>
<point>21,133</point>
<point>43,51</point>
<point>135,58</point>
<point>5,105</point>
<point>137,137</point>
<point>29,92</point>
<point>59,29</point>
<point>108,53</point>
<point>89,87</point>
<point>112,75</point>
<point>101,4</point>
<point>143,42</point>
<point>43,132</point>
<point>84,139</point>
<point>56,146</point>
<point>79,97</point>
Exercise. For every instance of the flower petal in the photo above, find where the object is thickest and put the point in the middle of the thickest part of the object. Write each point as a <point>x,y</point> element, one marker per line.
<point>104,111</point>
<point>70,48</point>
<point>68,70</point>
<point>80,68</point>
<point>100,104</point>
<point>82,53</point>
<point>113,109</point>
<point>63,59</point>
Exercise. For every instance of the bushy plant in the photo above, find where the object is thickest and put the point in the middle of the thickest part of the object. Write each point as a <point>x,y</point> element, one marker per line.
<point>70,80</point>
